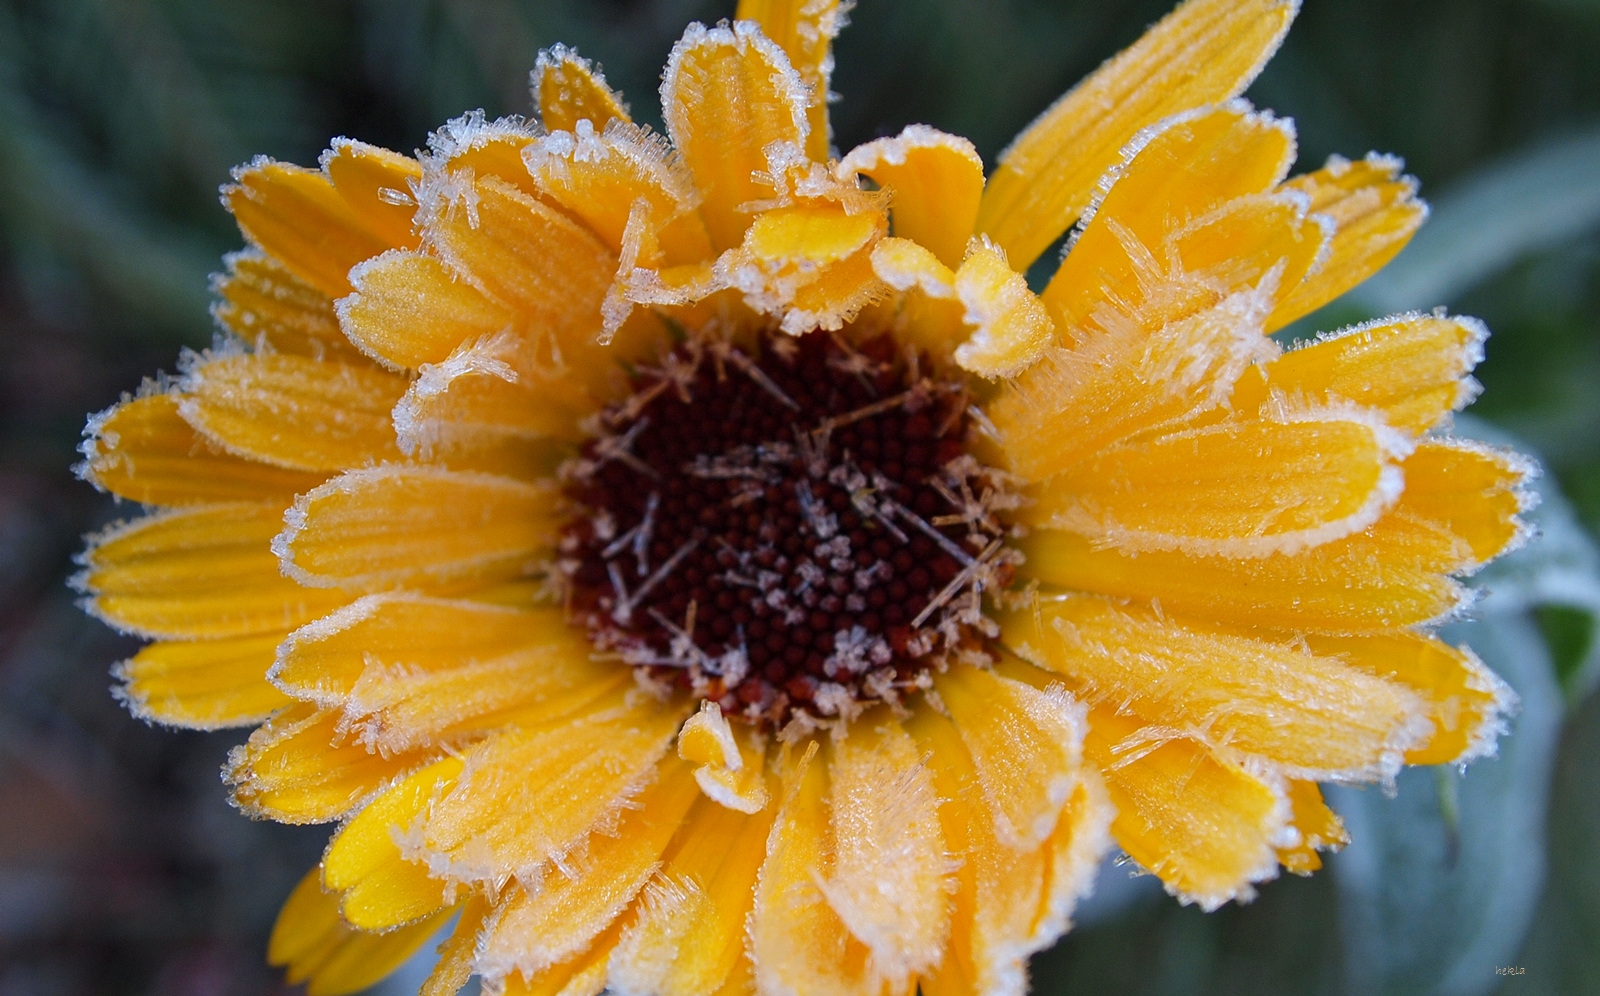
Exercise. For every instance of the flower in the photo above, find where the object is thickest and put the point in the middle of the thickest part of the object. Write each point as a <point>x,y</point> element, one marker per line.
<point>702,565</point>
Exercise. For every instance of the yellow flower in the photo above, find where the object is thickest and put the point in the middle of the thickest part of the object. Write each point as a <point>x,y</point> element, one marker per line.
<point>708,567</point>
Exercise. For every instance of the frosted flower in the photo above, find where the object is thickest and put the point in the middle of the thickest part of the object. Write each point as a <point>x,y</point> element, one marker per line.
<point>707,567</point>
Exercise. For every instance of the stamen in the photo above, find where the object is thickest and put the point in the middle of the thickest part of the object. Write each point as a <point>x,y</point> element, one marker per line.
<point>755,373</point>
<point>956,583</point>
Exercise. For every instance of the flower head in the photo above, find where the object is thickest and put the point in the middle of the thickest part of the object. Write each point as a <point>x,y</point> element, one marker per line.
<point>706,565</point>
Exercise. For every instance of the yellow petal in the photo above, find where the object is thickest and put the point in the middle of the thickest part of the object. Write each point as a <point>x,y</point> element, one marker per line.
<point>814,236</point>
<point>583,974</point>
<point>930,317</point>
<point>727,93</point>
<point>1251,239</point>
<point>377,185</point>
<point>265,304</point>
<point>568,89</point>
<point>1375,211</point>
<point>688,938</point>
<point>1319,827</point>
<point>1414,368</point>
<point>334,959</point>
<point>143,449</point>
<point>526,255</point>
<point>379,888</point>
<point>297,216</point>
<point>1188,169</point>
<point>400,702</point>
<point>202,573</point>
<point>797,941</point>
<point>1473,491</point>
<point>805,29</point>
<point>1467,703</point>
<point>1025,747</point>
<point>456,954</point>
<point>472,148</point>
<point>1207,827</point>
<point>409,309</point>
<point>889,870</point>
<point>531,799</point>
<point>1012,328</point>
<point>299,768</point>
<point>1078,402</point>
<point>202,684</point>
<point>730,762</point>
<point>744,790</point>
<point>1310,715</point>
<point>1008,903</point>
<point>1203,52</point>
<point>707,738</point>
<point>935,181</point>
<point>1393,574</point>
<point>598,176</point>
<point>484,408</point>
<point>811,265</point>
<point>537,928</point>
<point>326,661</point>
<point>292,411</point>
<point>389,526</point>
<point>1237,489</point>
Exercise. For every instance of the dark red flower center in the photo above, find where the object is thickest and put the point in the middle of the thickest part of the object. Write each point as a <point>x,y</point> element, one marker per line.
<point>793,526</point>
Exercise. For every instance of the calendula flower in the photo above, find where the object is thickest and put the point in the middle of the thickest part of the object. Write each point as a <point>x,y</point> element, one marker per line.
<point>703,565</point>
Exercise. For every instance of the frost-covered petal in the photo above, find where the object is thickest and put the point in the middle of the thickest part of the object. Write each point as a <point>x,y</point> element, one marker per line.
<point>727,93</point>
<point>934,181</point>
<point>142,449</point>
<point>1203,52</point>
<point>1308,714</point>
<point>409,308</point>
<point>379,889</point>
<point>531,798</point>
<point>1011,328</point>
<point>376,184</point>
<point>369,530</point>
<point>200,573</point>
<point>805,30</point>
<point>888,877</point>
<point>1181,173</point>
<point>1025,748</point>
<point>407,670</point>
<point>569,88</point>
<point>302,220</point>
<point>545,922</point>
<point>1414,368</point>
<point>299,767</point>
<point>688,936</point>
<point>291,411</point>
<point>1246,488</point>
<point>1134,378</point>
<point>332,958</point>
<point>1375,211</point>
<point>1393,574</point>
<point>265,304</point>
<point>1466,702</point>
<point>202,684</point>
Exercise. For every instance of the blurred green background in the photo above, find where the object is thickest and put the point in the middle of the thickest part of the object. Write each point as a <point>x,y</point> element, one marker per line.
<point>122,869</point>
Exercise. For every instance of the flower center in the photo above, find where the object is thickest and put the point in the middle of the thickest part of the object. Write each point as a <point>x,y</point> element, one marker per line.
<point>793,528</point>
